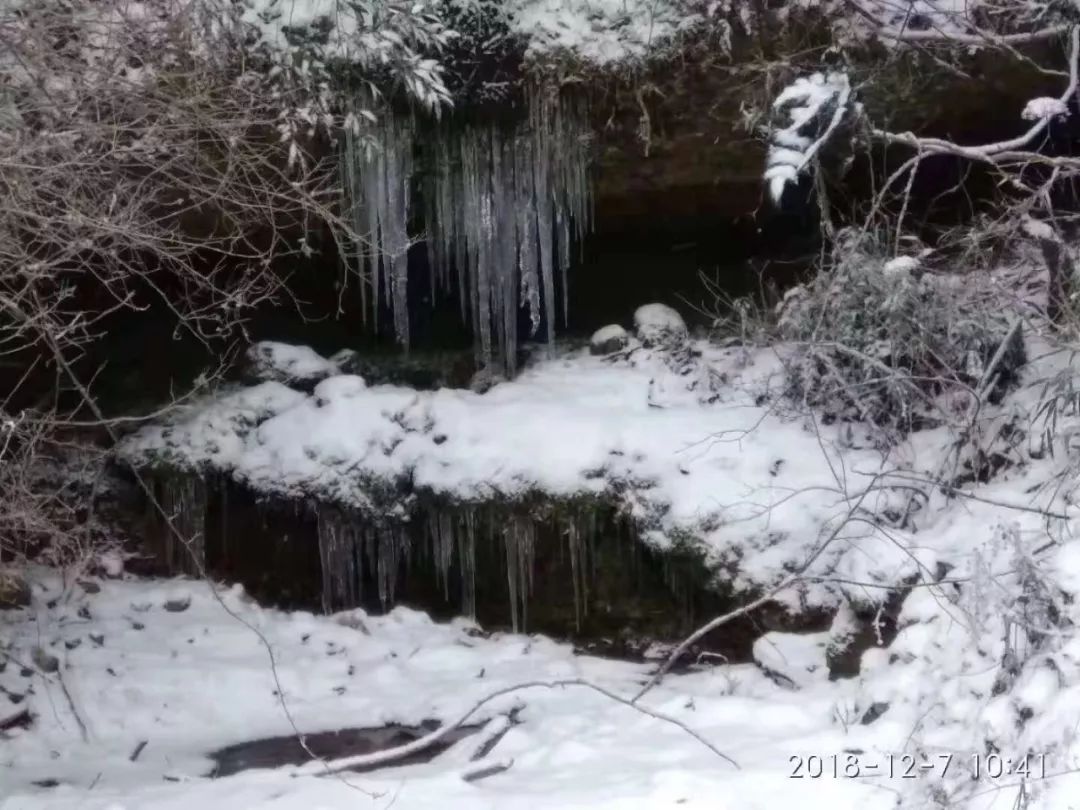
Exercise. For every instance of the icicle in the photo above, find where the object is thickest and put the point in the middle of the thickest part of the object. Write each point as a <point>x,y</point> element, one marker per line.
<point>183,499</point>
<point>526,237</point>
<point>441,536</point>
<point>338,557</point>
<point>510,538</point>
<point>467,554</point>
<point>391,552</point>
<point>503,205</point>
<point>574,541</point>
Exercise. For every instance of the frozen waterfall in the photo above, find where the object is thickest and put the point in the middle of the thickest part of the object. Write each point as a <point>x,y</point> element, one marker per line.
<point>502,206</point>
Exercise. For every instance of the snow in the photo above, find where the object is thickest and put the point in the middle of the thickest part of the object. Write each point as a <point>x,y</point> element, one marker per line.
<point>602,32</point>
<point>983,658</point>
<point>737,473</point>
<point>814,107</point>
<point>608,339</point>
<point>727,466</point>
<point>191,682</point>
<point>1044,107</point>
<point>798,658</point>
<point>658,323</point>
<point>285,363</point>
<point>901,266</point>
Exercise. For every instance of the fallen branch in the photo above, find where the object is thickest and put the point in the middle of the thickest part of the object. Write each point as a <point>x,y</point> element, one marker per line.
<point>476,774</point>
<point>494,733</point>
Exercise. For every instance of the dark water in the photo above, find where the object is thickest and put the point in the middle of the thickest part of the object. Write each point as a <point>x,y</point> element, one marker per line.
<point>276,752</point>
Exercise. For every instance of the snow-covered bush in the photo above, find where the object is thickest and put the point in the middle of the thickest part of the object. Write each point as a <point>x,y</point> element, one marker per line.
<point>879,339</point>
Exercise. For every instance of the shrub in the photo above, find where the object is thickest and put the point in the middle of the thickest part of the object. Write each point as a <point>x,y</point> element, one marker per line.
<point>881,340</point>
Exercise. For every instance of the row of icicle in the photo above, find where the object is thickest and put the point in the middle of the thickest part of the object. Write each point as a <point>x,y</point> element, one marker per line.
<point>352,550</point>
<point>501,206</point>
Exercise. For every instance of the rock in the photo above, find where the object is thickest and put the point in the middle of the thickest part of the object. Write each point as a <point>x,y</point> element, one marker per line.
<point>484,380</point>
<point>874,712</point>
<point>44,661</point>
<point>89,586</point>
<point>177,604</point>
<point>608,340</point>
<point>658,325</point>
<point>14,591</point>
<point>298,366</point>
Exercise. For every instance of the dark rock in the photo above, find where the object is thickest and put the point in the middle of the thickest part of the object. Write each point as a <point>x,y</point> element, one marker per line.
<point>874,712</point>
<point>18,719</point>
<point>178,604</point>
<point>44,661</point>
<point>89,586</point>
<point>14,591</point>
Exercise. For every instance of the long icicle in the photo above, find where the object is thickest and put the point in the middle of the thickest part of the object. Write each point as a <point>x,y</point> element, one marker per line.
<point>503,205</point>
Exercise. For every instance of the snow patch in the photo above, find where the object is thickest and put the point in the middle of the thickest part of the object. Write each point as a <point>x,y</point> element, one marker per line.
<point>1043,107</point>
<point>285,363</point>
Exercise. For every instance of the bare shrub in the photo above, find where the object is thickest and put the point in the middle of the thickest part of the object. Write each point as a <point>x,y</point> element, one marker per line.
<point>881,340</point>
<point>159,156</point>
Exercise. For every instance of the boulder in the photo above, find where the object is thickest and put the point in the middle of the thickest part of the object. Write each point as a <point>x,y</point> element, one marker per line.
<point>658,325</point>
<point>297,366</point>
<point>608,340</point>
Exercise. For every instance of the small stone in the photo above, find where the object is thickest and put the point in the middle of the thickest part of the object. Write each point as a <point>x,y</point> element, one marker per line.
<point>45,661</point>
<point>608,340</point>
<point>72,643</point>
<point>178,604</point>
<point>89,586</point>
<point>98,639</point>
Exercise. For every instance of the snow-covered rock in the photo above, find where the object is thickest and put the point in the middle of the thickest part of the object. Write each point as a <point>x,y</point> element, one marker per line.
<point>1038,109</point>
<point>269,360</point>
<point>608,340</point>
<point>660,325</point>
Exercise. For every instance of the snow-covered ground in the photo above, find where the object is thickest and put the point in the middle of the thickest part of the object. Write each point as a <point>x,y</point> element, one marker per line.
<point>190,682</point>
<point>983,673</point>
<point>176,685</point>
